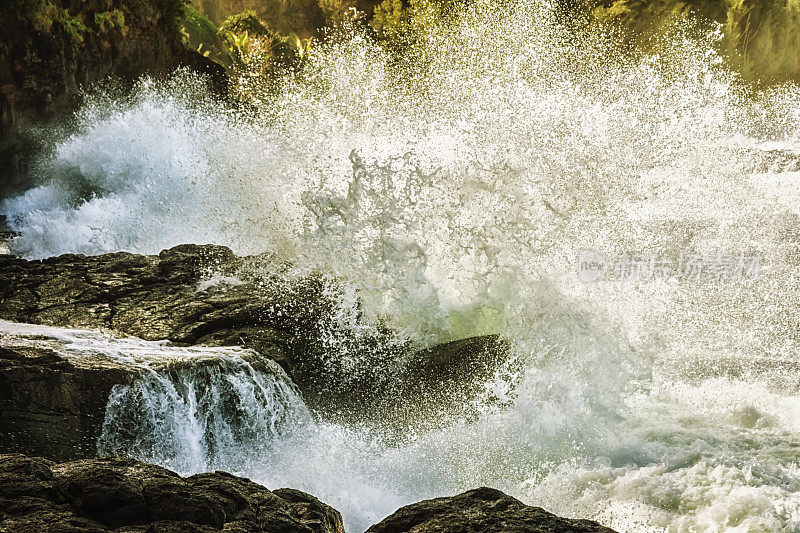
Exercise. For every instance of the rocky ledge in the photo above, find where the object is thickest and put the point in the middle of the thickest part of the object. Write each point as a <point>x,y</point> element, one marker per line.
<point>194,295</point>
<point>115,494</point>
<point>52,406</point>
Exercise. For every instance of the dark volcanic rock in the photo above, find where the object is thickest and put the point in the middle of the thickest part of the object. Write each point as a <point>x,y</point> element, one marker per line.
<point>482,510</point>
<point>53,407</point>
<point>115,494</point>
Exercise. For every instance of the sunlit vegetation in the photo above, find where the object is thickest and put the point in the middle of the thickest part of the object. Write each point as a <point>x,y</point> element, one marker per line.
<point>251,45</point>
<point>76,18</point>
<point>760,38</point>
<point>247,22</point>
<point>338,12</point>
<point>198,32</point>
<point>113,20</point>
<point>254,56</point>
<point>257,39</point>
<point>303,17</point>
<point>46,17</point>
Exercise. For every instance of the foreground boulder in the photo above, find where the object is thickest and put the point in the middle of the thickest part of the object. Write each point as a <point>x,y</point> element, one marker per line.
<point>482,510</point>
<point>115,494</point>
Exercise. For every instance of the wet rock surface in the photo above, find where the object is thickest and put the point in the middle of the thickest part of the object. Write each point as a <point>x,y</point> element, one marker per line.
<point>482,510</point>
<point>152,297</point>
<point>51,406</point>
<point>54,405</point>
<point>116,494</point>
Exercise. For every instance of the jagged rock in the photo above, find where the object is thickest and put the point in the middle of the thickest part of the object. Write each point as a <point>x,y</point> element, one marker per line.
<point>150,297</point>
<point>115,494</point>
<point>482,510</point>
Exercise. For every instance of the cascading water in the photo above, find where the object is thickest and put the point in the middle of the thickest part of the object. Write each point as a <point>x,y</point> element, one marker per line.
<point>451,195</point>
<point>201,416</point>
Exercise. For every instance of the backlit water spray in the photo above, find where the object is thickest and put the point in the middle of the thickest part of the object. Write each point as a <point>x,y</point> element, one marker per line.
<point>452,194</point>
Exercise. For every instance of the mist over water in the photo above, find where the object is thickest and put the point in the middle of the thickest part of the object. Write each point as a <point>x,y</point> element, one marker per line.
<point>452,193</point>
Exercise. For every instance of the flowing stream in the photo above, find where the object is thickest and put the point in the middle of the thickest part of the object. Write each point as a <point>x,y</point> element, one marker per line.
<point>453,195</point>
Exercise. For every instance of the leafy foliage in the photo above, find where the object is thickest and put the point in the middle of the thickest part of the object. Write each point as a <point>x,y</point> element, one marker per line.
<point>256,56</point>
<point>45,16</point>
<point>110,20</point>
<point>198,31</point>
<point>247,22</point>
<point>49,17</point>
<point>338,11</point>
<point>402,22</point>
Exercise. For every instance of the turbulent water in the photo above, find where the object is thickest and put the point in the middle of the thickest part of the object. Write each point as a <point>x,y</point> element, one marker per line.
<point>453,194</point>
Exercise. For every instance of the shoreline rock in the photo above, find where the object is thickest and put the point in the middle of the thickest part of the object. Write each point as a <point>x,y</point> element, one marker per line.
<point>117,494</point>
<point>51,406</point>
<point>481,510</point>
<point>71,394</point>
<point>193,296</point>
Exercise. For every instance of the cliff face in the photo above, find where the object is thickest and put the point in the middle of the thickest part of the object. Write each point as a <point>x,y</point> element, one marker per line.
<point>44,63</point>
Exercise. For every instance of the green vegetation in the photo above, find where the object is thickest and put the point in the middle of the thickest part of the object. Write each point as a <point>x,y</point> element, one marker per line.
<point>338,11</point>
<point>49,16</point>
<point>254,56</point>
<point>247,22</point>
<point>251,45</point>
<point>760,38</point>
<point>113,20</point>
<point>75,17</point>
<point>401,22</point>
<point>198,32</point>
<point>45,17</point>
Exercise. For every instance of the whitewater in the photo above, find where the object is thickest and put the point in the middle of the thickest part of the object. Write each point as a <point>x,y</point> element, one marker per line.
<point>451,194</point>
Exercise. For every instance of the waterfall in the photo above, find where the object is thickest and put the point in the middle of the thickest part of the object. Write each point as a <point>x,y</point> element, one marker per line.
<point>203,415</point>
